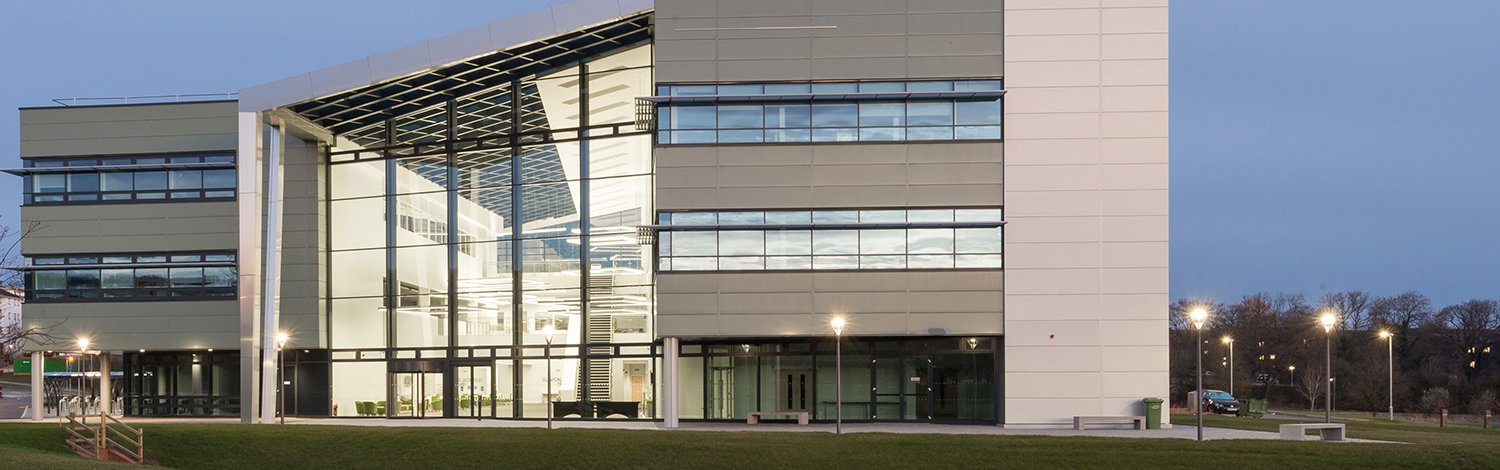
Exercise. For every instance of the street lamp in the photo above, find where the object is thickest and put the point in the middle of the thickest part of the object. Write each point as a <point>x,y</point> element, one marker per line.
<point>1230,341</point>
<point>838,381</point>
<point>1328,320</point>
<point>281,338</point>
<point>1199,316</point>
<point>83,370</point>
<point>1293,370</point>
<point>547,336</point>
<point>1390,364</point>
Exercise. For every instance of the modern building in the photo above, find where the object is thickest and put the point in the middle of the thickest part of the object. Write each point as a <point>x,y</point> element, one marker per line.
<point>615,209</point>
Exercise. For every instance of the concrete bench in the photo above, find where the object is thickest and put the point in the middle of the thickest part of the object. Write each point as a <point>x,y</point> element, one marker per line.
<point>1080,423</point>
<point>753,417</point>
<point>1326,431</point>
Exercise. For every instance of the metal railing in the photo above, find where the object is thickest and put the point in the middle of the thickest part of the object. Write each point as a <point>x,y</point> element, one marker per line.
<point>108,439</point>
<point>177,98</point>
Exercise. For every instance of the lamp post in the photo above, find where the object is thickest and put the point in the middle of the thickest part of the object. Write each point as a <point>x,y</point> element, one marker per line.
<point>547,336</point>
<point>1390,364</point>
<point>83,370</point>
<point>1230,341</point>
<point>281,338</point>
<point>1293,370</point>
<point>1199,316</point>
<point>1328,320</point>
<point>838,380</point>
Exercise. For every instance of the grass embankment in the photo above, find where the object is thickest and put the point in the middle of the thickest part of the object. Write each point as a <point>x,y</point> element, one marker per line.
<point>240,446</point>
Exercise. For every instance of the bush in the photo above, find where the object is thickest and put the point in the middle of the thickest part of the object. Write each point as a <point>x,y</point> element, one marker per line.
<point>1434,399</point>
<point>1481,402</point>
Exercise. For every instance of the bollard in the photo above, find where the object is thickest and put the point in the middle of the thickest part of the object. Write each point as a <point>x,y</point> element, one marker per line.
<point>1443,419</point>
<point>1486,419</point>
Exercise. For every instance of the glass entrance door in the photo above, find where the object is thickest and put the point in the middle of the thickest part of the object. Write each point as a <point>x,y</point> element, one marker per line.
<point>475,387</point>
<point>901,388</point>
<point>415,395</point>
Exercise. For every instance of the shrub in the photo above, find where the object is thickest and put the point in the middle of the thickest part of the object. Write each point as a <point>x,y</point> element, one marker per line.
<point>1434,399</point>
<point>1482,401</point>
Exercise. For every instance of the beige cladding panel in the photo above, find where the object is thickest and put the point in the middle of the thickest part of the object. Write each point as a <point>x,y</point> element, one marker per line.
<point>705,305</point>
<point>112,228</point>
<point>1087,208</point>
<point>128,129</point>
<point>812,176</point>
<point>708,40</point>
<point>136,325</point>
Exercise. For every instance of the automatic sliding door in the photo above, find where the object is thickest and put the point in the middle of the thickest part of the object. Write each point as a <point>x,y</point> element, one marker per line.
<point>475,388</point>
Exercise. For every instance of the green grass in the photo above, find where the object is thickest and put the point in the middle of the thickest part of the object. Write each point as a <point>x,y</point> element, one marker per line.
<point>241,446</point>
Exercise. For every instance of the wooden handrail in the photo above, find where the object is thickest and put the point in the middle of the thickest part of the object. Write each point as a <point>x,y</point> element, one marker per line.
<point>126,441</point>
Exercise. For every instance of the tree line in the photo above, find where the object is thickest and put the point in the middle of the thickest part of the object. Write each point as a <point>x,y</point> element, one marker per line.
<point>1443,358</point>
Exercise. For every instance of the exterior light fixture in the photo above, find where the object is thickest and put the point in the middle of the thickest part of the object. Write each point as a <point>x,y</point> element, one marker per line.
<point>838,359</point>
<point>1328,320</point>
<point>1390,377</point>
<point>1199,316</point>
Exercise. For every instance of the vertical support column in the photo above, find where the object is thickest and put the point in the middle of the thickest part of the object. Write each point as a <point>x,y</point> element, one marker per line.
<point>272,277</point>
<point>104,386</point>
<point>248,179</point>
<point>585,396</point>
<point>671,350</point>
<point>450,386</point>
<point>38,392</point>
<point>517,312</point>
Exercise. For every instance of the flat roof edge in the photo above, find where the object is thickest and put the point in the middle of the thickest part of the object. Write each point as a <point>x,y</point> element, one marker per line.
<point>120,105</point>
<point>438,52</point>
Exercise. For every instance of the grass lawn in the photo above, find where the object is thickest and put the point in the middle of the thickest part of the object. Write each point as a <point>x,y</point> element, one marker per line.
<point>241,446</point>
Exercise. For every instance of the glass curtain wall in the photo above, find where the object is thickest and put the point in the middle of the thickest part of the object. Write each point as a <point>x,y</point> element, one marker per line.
<point>488,219</point>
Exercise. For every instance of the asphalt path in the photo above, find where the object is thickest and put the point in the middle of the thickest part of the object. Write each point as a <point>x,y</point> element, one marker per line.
<point>17,398</point>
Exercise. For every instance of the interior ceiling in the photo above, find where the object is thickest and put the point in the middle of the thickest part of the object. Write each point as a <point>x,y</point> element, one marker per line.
<point>357,114</point>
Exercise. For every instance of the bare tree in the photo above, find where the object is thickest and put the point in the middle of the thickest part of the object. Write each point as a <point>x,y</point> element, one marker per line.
<point>1311,385</point>
<point>14,337</point>
<point>1471,327</point>
<point>1403,312</point>
<point>1352,306</point>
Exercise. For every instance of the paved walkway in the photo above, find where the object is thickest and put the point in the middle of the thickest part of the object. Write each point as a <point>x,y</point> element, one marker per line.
<point>1176,432</point>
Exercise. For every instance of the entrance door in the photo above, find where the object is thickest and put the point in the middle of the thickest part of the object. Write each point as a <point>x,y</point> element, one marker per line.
<point>793,389</point>
<point>415,395</point>
<point>475,387</point>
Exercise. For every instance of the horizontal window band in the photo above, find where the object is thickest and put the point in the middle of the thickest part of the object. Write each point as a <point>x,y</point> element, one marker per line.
<point>117,168</point>
<point>65,267</point>
<point>855,96</point>
<point>845,226</point>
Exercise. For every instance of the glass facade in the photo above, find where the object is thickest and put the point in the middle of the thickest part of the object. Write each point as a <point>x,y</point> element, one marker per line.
<point>829,112</point>
<point>182,383</point>
<point>885,379</point>
<point>830,240</point>
<point>129,178</point>
<point>483,222</point>
<point>132,276</point>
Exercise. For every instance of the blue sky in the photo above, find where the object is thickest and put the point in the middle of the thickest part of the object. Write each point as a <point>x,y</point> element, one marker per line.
<point>1316,146</point>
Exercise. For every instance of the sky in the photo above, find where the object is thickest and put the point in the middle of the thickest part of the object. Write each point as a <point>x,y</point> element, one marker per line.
<point>1316,146</point>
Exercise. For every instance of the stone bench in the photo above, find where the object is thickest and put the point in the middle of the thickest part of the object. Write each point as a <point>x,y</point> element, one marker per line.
<point>1326,431</point>
<point>753,417</point>
<point>1080,423</point>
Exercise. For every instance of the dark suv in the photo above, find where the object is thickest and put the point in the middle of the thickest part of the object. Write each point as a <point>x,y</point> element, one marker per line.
<point>1221,402</point>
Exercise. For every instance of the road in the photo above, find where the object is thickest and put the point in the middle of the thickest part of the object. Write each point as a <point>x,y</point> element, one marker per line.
<point>17,398</point>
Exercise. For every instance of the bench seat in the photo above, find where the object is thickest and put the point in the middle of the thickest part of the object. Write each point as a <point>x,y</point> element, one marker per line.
<point>1326,431</point>
<point>1080,423</point>
<point>753,417</point>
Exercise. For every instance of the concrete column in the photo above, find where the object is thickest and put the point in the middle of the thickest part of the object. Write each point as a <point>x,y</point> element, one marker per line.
<point>248,259</point>
<point>104,395</point>
<point>38,366</point>
<point>669,381</point>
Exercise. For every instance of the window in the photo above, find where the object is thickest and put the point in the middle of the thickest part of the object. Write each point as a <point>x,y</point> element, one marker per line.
<point>90,180</point>
<point>830,112</point>
<point>831,240</point>
<point>155,276</point>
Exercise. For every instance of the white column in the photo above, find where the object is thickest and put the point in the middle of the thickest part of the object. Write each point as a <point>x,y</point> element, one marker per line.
<point>271,277</point>
<point>669,381</point>
<point>38,366</point>
<point>248,261</point>
<point>104,395</point>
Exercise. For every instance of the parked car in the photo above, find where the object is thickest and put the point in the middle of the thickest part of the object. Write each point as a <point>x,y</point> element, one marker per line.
<point>1221,402</point>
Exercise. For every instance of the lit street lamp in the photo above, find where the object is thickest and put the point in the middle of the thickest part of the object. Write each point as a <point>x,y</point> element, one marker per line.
<point>838,384</point>
<point>281,338</point>
<point>83,370</point>
<point>1199,316</point>
<point>1293,370</point>
<point>1390,363</point>
<point>1328,320</point>
<point>547,335</point>
<point>1230,341</point>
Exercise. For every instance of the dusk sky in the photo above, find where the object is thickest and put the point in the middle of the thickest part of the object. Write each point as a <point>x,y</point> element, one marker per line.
<point>1316,146</point>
